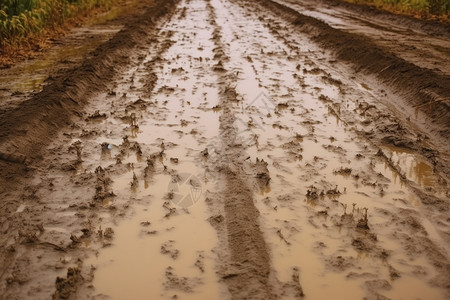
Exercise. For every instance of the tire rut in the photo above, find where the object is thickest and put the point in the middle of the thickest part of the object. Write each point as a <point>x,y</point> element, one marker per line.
<point>420,88</point>
<point>247,271</point>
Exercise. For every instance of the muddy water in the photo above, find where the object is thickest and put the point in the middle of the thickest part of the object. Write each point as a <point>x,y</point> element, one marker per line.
<point>415,169</point>
<point>338,220</point>
<point>166,246</point>
<point>307,145</point>
<point>134,266</point>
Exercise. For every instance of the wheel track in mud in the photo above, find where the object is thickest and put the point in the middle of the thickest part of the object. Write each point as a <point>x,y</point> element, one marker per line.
<point>421,87</point>
<point>248,267</point>
<point>435,255</point>
<point>407,140</point>
<point>438,158</point>
<point>27,129</point>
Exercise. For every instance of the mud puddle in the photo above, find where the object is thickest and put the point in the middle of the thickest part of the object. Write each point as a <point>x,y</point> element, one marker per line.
<point>155,255</point>
<point>328,199</point>
<point>233,158</point>
<point>165,248</point>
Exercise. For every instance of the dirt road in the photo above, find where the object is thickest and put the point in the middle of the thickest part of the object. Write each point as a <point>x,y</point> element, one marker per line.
<point>224,149</point>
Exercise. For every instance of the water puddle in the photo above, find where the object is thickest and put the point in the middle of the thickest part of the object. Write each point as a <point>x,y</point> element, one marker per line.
<point>288,120</point>
<point>153,253</point>
<point>165,248</point>
<point>414,168</point>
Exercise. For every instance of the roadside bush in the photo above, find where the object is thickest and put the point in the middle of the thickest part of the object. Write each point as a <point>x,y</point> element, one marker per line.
<point>439,6</point>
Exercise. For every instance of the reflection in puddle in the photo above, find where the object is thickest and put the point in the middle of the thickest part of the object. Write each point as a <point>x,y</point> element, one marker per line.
<point>413,167</point>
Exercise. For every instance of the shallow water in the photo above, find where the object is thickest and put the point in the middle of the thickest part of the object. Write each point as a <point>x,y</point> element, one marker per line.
<point>293,110</point>
<point>178,238</point>
<point>305,144</point>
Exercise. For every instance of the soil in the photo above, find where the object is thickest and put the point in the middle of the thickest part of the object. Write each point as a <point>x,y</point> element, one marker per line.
<point>223,149</point>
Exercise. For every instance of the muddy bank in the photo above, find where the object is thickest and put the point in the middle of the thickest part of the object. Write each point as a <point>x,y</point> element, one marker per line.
<point>38,44</point>
<point>26,78</point>
<point>422,88</point>
<point>26,129</point>
<point>425,47</point>
<point>429,26</point>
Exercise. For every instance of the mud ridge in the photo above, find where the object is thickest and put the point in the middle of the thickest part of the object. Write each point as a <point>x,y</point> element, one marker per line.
<point>28,128</point>
<point>422,88</point>
<point>247,270</point>
<point>429,26</point>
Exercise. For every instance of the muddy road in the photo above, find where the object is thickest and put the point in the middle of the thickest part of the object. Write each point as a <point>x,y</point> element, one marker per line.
<point>224,149</point>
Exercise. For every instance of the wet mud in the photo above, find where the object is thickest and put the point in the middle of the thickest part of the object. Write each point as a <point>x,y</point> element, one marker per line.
<point>420,87</point>
<point>422,43</point>
<point>217,149</point>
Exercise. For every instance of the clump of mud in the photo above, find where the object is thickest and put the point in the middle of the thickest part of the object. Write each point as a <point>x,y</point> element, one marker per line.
<point>262,175</point>
<point>102,186</point>
<point>66,287</point>
<point>180,283</point>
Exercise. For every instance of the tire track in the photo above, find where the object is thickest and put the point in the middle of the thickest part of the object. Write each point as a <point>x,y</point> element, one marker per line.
<point>420,88</point>
<point>267,63</point>
<point>247,269</point>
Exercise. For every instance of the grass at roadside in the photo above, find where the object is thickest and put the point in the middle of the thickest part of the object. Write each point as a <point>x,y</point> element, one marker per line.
<point>26,25</point>
<point>428,9</point>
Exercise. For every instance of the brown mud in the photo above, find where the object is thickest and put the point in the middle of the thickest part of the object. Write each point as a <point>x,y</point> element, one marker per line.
<point>432,27</point>
<point>422,88</point>
<point>247,269</point>
<point>67,94</point>
<point>28,128</point>
<point>217,149</point>
<point>409,39</point>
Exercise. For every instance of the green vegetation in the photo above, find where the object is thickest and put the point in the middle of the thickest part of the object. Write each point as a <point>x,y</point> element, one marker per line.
<point>424,8</point>
<point>21,18</point>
